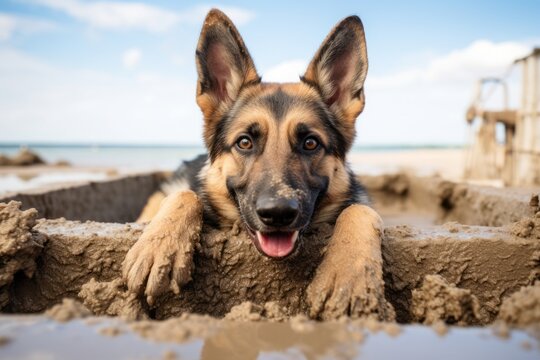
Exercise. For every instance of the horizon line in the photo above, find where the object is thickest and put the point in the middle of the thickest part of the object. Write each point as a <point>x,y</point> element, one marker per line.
<point>21,144</point>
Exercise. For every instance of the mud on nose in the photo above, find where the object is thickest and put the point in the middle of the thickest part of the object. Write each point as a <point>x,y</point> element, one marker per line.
<point>277,212</point>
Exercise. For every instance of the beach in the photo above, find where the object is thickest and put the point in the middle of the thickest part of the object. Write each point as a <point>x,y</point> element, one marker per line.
<point>100,163</point>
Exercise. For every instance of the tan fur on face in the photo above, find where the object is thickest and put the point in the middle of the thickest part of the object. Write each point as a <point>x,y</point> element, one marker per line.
<point>277,137</point>
<point>338,189</point>
<point>215,182</point>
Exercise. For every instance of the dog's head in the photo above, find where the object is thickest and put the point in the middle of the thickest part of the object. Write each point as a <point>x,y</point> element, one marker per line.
<point>277,151</point>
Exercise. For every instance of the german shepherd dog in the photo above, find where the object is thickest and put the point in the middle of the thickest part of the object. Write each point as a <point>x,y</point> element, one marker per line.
<point>276,162</point>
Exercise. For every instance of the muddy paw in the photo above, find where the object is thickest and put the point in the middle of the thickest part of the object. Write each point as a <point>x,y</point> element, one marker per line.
<point>162,259</point>
<point>357,293</point>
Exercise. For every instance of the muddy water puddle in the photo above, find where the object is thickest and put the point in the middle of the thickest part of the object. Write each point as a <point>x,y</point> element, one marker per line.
<point>112,338</point>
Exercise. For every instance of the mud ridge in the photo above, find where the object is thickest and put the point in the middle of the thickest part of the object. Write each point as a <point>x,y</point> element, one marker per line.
<point>19,246</point>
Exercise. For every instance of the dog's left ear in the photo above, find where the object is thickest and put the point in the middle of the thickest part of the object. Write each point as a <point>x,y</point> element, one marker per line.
<point>223,65</point>
<point>339,69</point>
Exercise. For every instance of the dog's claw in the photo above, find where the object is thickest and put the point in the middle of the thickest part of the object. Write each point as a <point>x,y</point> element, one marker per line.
<point>354,293</point>
<point>153,266</point>
<point>162,258</point>
<point>349,279</point>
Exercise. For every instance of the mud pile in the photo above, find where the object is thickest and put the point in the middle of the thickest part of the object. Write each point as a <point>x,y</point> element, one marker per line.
<point>69,260</point>
<point>438,300</point>
<point>453,274</point>
<point>112,299</point>
<point>19,246</point>
<point>402,198</point>
<point>528,227</point>
<point>231,277</point>
<point>24,157</point>
<point>67,310</point>
<point>83,261</point>
<point>491,262</point>
<point>523,307</point>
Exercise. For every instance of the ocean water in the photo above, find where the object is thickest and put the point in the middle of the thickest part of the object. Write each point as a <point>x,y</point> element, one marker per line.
<point>91,163</point>
<point>123,157</point>
<point>150,157</point>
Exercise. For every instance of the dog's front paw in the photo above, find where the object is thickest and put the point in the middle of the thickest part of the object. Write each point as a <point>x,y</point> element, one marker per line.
<point>162,258</point>
<point>354,292</point>
<point>349,280</point>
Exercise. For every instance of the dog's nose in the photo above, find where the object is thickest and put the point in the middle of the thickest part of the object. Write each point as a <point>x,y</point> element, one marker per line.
<point>277,212</point>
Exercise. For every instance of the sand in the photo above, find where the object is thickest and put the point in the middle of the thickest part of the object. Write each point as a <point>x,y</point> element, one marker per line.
<point>68,310</point>
<point>446,163</point>
<point>240,302</point>
<point>119,199</point>
<point>523,307</point>
<point>437,300</point>
<point>19,246</point>
<point>81,260</point>
<point>491,262</point>
<point>112,299</point>
<point>66,265</point>
<point>527,227</point>
<point>24,157</point>
<point>434,200</point>
<point>231,277</point>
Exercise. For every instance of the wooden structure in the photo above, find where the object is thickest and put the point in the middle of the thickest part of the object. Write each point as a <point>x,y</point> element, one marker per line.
<point>519,162</point>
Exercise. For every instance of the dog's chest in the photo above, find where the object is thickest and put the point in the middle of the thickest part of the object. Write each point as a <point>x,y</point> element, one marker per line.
<point>229,270</point>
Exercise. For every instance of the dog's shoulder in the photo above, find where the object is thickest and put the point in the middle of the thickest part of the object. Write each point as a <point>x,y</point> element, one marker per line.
<point>186,177</point>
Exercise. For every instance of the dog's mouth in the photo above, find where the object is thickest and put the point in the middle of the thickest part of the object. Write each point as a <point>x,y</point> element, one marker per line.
<point>275,244</point>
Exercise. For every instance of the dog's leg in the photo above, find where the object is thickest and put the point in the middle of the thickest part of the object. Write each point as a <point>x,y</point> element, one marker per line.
<point>162,258</point>
<point>349,280</point>
<point>152,207</point>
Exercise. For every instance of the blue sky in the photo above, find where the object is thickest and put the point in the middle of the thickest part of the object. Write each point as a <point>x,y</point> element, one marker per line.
<point>123,72</point>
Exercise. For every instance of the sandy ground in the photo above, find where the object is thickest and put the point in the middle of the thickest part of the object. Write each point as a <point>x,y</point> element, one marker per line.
<point>448,163</point>
<point>437,297</point>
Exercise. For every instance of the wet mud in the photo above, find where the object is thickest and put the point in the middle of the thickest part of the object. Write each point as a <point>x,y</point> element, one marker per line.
<point>522,308</point>
<point>82,260</point>
<point>19,246</point>
<point>25,157</point>
<point>479,265</point>
<point>437,300</point>
<point>491,262</point>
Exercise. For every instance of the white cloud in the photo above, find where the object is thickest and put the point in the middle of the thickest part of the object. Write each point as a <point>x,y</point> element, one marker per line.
<point>115,15</point>
<point>11,24</point>
<point>131,58</point>
<point>481,58</point>
<point>40,102</point>
<point>287,71</point>
<point>7,26</point>
<point>135,15</point>
<point>197,14</point>
<point>426,104</point>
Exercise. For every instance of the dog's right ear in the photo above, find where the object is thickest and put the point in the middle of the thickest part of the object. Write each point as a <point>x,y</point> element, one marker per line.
<point>224,66</point>
<point>338,70</point>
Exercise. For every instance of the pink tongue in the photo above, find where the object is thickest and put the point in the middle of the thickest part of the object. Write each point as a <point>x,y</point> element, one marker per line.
<point>277,244</point>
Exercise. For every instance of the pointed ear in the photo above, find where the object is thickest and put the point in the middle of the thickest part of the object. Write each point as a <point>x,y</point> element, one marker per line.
<point>339,69</point>
<point>223,65</point>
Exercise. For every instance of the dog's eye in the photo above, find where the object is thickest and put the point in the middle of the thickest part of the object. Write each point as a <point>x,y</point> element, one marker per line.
<point>311,143</point>
<point>244,143</point>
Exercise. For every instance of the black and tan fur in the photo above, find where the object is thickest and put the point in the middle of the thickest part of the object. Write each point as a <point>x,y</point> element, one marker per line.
<point>278,120</point>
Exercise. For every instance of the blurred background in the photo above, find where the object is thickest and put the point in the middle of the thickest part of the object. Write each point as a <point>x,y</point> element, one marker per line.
<point>92,89</point>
